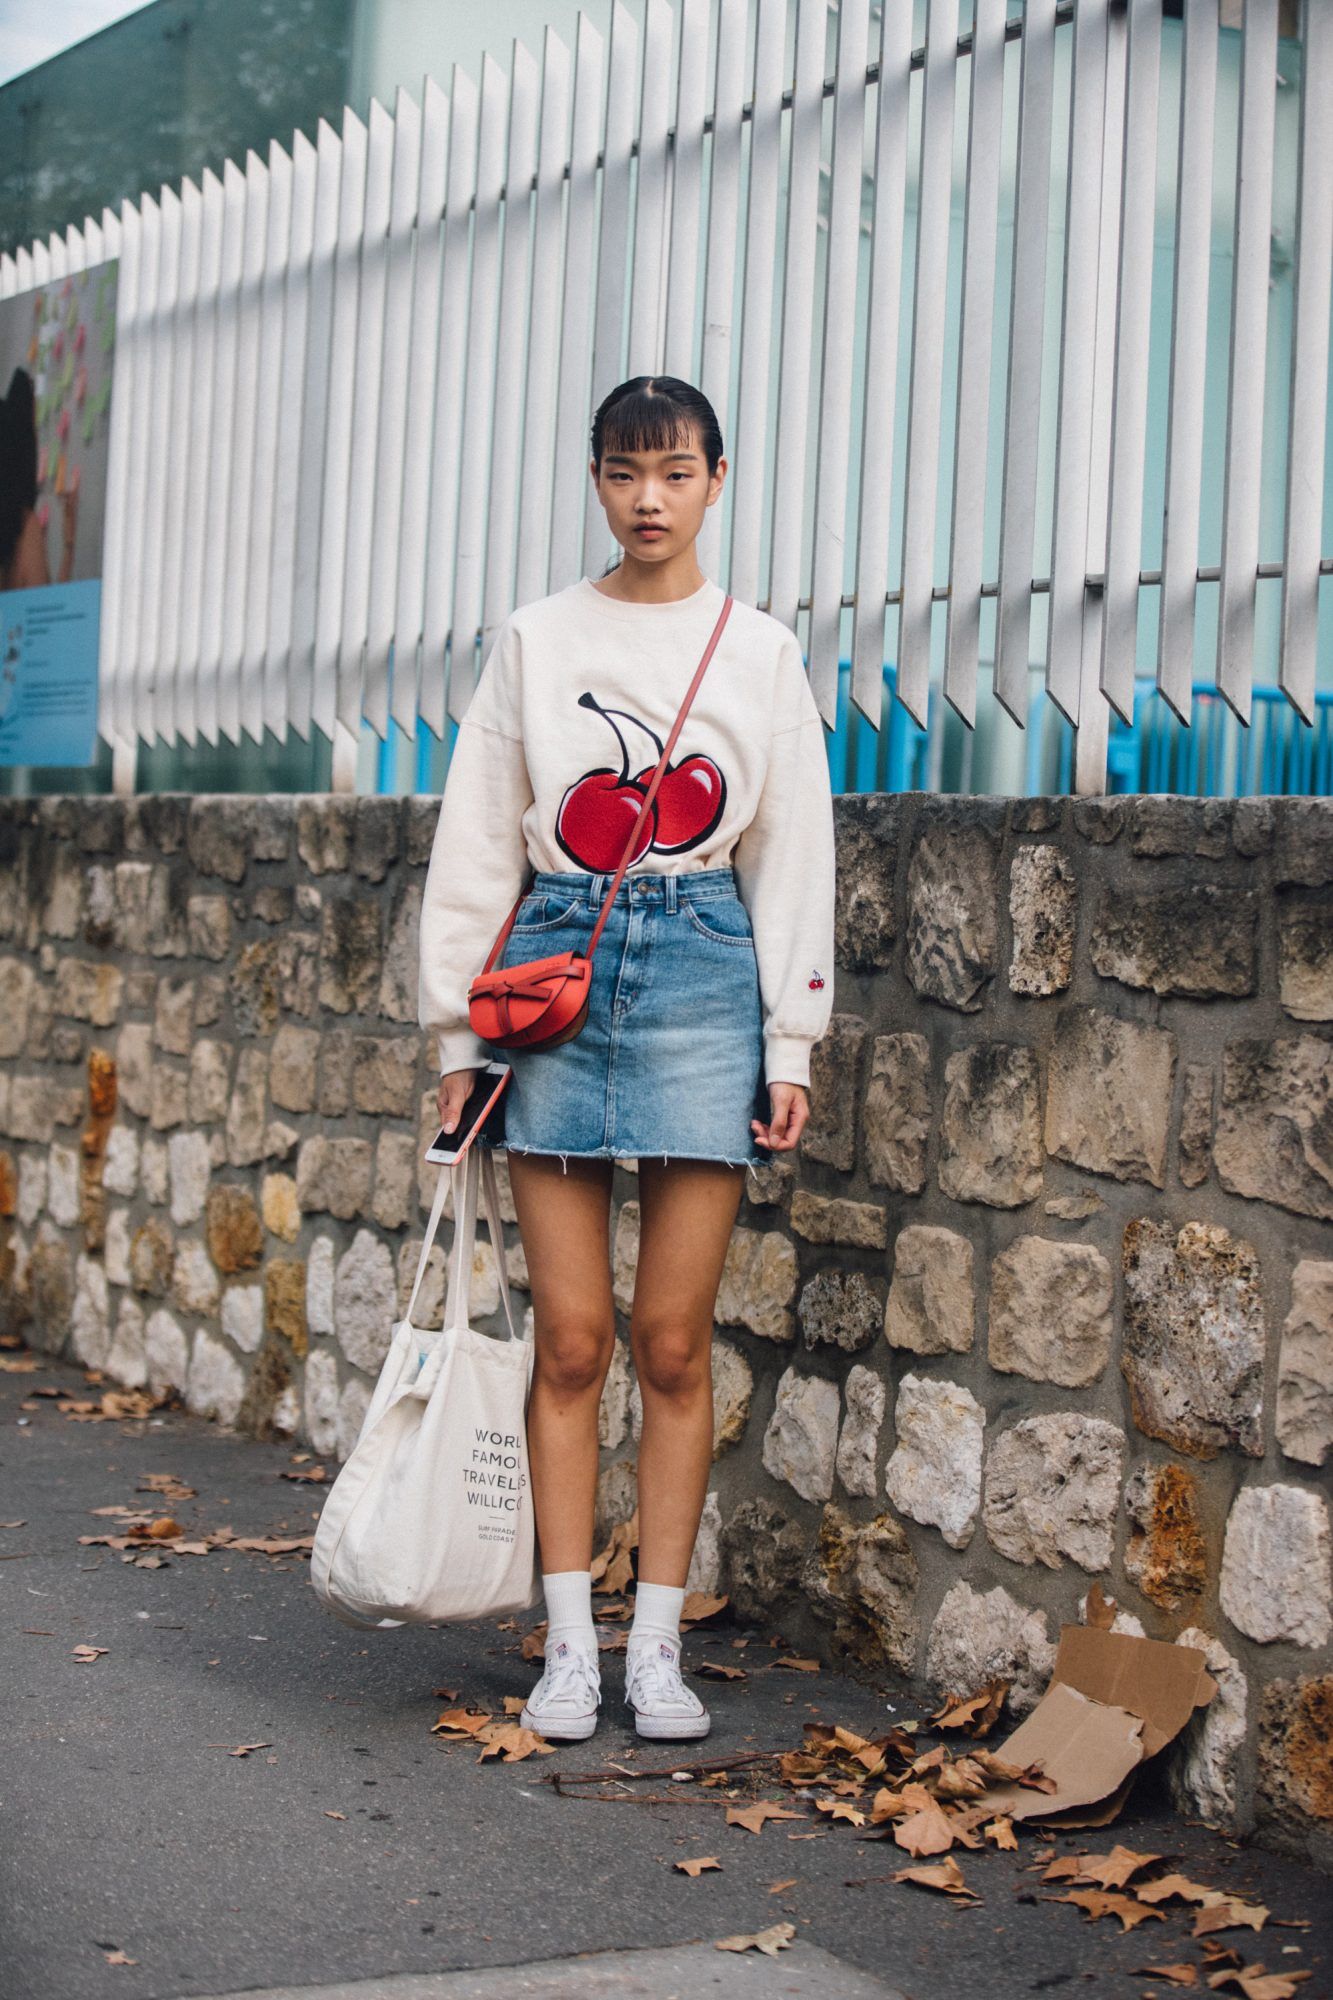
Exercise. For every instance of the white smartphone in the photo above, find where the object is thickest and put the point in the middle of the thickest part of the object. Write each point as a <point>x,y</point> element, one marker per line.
<point>482,1115</point>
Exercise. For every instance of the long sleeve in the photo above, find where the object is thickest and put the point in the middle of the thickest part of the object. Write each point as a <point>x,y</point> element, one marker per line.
<point>785,871</point>
<point>478,861</point>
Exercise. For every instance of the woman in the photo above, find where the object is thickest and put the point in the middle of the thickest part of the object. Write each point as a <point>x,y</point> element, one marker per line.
<point>713,977</point>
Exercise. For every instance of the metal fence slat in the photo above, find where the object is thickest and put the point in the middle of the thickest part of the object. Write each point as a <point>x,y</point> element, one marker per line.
<point>572,485</point>
<point>533,566</point>
<point>750,456</point>
<point>266,488</point>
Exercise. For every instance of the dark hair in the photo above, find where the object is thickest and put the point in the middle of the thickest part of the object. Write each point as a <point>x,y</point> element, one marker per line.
<point>18,460</point>
<point>654,413</point>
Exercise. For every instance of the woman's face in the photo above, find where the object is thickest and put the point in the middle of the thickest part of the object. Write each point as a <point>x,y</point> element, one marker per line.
<point>668,491</point>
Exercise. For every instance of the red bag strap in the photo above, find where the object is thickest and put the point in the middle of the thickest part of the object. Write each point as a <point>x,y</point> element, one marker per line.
<point>644,809</point>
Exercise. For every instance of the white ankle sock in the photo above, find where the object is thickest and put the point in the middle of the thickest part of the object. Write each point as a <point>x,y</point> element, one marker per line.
<point>657,1609</point>
<point>568,1595</point>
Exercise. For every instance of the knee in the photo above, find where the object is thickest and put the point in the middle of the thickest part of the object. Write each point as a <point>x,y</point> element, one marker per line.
<point>670,1361</point>
<point>572,1357</point>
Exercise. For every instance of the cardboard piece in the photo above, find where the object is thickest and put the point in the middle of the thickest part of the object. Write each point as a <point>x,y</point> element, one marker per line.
<point>1087,1747</point>
<point>1113,1701</point>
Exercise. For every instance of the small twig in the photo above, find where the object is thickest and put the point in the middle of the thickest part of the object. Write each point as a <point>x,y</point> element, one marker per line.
<point>663,1770</point>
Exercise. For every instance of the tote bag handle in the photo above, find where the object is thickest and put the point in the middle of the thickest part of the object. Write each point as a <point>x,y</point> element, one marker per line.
<point>477,1165</point>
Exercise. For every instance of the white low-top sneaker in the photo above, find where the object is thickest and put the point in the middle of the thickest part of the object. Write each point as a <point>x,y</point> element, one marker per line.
<point>563,1705</point>
<point>663,1706</point>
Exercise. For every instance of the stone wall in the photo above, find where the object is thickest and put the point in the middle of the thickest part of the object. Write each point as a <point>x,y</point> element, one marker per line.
<point>1047,1296</point>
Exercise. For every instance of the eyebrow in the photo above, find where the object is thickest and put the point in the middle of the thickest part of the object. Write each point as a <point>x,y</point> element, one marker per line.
<point>627,458</point>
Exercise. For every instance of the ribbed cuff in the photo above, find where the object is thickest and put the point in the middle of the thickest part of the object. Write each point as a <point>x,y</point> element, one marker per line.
<point>461,1049</point>
<point>787,1059</point>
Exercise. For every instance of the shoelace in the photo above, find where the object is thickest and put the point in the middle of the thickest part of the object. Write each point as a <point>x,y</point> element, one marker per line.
<point>651,1677</point>
<point>574,1676</point>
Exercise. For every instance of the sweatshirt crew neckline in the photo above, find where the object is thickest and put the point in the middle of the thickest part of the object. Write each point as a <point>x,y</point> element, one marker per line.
<point>619,609</point>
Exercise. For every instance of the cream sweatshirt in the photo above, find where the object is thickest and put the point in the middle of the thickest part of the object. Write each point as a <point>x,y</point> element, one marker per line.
<point>569,715</point>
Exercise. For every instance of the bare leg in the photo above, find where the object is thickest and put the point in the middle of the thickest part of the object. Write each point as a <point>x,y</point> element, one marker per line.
<point>563,1219</point>
<point>688,1210</point>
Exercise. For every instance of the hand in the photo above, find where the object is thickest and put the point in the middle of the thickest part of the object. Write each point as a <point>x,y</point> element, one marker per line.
<point>789,1107</point>
<point>453,1093</point>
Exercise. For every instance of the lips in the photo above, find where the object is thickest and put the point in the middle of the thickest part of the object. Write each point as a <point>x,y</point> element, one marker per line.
<point>650,534</point>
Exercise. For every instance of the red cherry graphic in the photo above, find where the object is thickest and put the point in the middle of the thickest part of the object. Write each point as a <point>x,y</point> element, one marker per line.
<point>597,812</point>
<point>818,980</point>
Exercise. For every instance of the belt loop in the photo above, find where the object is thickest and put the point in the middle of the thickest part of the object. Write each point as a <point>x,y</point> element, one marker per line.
<point>596,888</point>
<point>671,893</point>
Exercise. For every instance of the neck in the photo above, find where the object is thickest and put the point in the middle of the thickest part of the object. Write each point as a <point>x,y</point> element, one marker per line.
<point>636,582</point>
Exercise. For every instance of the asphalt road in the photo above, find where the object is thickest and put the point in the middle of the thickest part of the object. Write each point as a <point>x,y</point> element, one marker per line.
<point>127,1827</point>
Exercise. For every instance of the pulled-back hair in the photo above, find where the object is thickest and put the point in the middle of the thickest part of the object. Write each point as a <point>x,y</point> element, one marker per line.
<point>655,413</point>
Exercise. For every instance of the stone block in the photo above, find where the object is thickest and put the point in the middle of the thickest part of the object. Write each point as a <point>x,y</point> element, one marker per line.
<point>934,1473</point>
<point>90,1317</point>
<point>1275,1123</point>
<point>363,1294</point>
<point>841,1309</point>
<point>173,1025</point>
<point>216,1381</point>
<point>62,1186</point>
<point>931,1307</point>
<point>866,832</point>
<point>1196,1125</point>
<point>334,1175</point>
<point>375,837</point>
<point>1165,824</point>
<point>402,956</point>
<point>247,1113</point>
<point>169,1104</point>
<point>16,985</point>
<point>1108,1095</point>
<point>384,1073</point>
<point>835,1092</point>
<point>219,833</point>
<point>1166,1555</point>
<point>1194,1337</point>
<point>1053,1489</point>
<point>801,1440</point>
<point>1051,1312</point>
<point>209,927</point>
<point>897,1113</point>
<point>291,1078</point>
<point>613,1409</point>
<point>758,1284</point>
<point>952,898</point>
<point>235,1238</point>
<point>209,1087</point>
<point>189,1166</point>
<point>324,829</point>
<point>319,1284</point>
<point>1305,1366</point>
<point>152,1250</point>
<point>763,1550</point>
<point>857,1456</point>
<point>1276,1578</point>
<point>990,1129</point>
<point>87,991</point>
<point>284,1302</point>
<point>350,955</point>
<point>395,1177</point>
<point>243,1316</point>
<point>166,1352</point>
<point>980,1636</point>
<point>1043,905</point>
<point>280,1208</point>
<point>321,1401</point>
<point>127,1360</point>
<point>1204,1765</point>
<point>705,1571</point>
<point>1295,1791</point>
<point>833,1219</point>
<point>1304,846</point>
<point>1199,939</point>
<point>194,1279</point>
<point>1305,956</point>
<point>861,1578</point>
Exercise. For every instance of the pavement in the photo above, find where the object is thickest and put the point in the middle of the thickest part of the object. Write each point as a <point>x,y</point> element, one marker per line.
<point>354,1855</point>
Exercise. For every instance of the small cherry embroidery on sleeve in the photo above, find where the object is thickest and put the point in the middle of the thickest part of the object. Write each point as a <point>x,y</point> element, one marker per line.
<point>818,978</point>
<point>598,810</point>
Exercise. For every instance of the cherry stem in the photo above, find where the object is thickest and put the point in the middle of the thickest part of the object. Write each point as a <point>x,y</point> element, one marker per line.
<point>588,700</point>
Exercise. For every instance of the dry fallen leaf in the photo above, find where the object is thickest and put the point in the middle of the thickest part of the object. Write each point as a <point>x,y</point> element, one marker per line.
<point>1103,1903</point>
<point>718,1670</point>
<point>534,1643</point>
<point>1100,1609</point>
<point>118,1957</point>
<point>788,1882</point>
<point>698,1606</point>
<point>977,1713</point>
<point>1164,1889</point>
<point>798,1666</point>
<point>1256,1984</point>
<point>461,1722</point>
<point>1226,1913</point>
<point>926,1829</point>
<point>333,1815</point>
<point>945,1876</point>
<point>695,1867</point>
<point>1174,1975</point>
<point>841,1809</point>
<point>1113,1870</point>
<point>752,1817</point>
<point>775,1939</point>
<point>88,1652</point>
<point>514,1704</point>
<point>240,1749</point>
<point>1001,1831</point>
<point>507,1739</point>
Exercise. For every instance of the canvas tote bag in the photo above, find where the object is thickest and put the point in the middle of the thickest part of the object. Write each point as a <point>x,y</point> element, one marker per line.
<point>431,1518</point>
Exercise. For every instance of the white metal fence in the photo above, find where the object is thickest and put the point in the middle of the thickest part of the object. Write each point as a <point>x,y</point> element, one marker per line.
<point>354,384</point>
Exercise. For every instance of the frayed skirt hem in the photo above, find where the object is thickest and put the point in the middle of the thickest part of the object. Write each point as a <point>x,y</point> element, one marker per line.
<point>565,1154</point>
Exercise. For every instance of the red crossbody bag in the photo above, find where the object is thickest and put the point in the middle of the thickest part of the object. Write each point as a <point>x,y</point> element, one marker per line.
<point>544,1001</point>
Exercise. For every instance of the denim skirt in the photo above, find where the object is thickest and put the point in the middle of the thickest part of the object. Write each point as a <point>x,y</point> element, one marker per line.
<point>669,1062</point>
